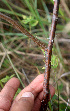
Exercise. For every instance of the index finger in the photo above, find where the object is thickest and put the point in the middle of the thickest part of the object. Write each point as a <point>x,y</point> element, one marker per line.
<point>35,87</point>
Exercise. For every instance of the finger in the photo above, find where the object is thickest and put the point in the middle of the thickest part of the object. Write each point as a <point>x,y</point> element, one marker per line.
<point>35,87</point>
<point>25,103</point>
<point>7,93</point>
<point>39,98</point>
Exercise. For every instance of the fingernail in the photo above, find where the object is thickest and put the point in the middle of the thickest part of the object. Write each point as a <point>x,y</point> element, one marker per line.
<point>27,94</point>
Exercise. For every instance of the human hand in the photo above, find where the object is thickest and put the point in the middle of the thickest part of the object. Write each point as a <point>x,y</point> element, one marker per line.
<point>29,99</point>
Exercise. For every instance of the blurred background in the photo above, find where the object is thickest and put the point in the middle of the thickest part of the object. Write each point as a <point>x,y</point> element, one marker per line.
<point>22,58</point>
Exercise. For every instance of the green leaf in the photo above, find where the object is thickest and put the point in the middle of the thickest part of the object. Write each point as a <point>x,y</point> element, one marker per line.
<point>43,68</point>
<point>4,80</point>
<point>54,61</point>
<point>29,20</point>
<point>18,91</point>
<point>24,17</point>
<point>1,84</point>
<point>60,110</point>
<point>43,52</point>
<point>34,23</point>
<point>50,106</point>
<point>6,63</point>
<point>54,97</point>
<point>60,87</point>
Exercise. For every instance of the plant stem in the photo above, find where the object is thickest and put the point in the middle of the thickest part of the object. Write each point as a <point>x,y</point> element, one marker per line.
<point>48,53</point>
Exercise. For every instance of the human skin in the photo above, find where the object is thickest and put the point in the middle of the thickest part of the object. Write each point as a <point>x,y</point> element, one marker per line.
<point>29,99</point>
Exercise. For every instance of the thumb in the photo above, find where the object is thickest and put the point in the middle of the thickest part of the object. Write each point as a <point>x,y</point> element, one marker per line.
<point>25,103</point>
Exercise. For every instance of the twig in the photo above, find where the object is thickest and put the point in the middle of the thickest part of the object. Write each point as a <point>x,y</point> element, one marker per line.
<point>15,70</point>
<point>21,29</point>
<point>58,95</point>
<point>63,40</point>
<point>3,53</point>
<point>63,75</point>
<point>23,53</point>
<point>2,31</point>
<point>48,53</point>
<point>4,73</point>
<point>25,76</point>
<point>13,66</point>
<point>2,60</point>
<point>34,55</point>
<point>62,99</point>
